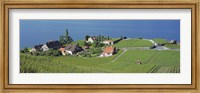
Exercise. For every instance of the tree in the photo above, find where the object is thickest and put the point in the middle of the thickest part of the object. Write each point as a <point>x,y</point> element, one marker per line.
<point>70,40</point>
<point>89,44</point>
<point>99,38</point>
<point>61,40</point>
<point>108,38</point>
<point>67,36</point>
<point>125,37</point>
<point>102,38</point>
<point>81,42</point>
<point>101,44</point>
<point>26,50</point>
<point>87,37</point>
<point>65,39</point>
<point>95,44</point>
<point>22,51</point>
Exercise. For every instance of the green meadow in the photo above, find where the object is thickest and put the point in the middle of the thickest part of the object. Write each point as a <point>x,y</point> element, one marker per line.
<point>159,61</point>
<point>172,46</point>
<point>133,43</point>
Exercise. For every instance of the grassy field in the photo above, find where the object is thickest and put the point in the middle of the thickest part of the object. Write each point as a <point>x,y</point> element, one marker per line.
<point>172,46</point>
<point>160,41</point>
<point>133,43</point>
<point>153,61</point>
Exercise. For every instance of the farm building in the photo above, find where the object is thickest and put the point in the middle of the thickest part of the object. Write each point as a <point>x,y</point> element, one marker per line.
<point>173,42</point>
<point>45,47</point>
<point>62,51</point>
<point>72,49</point>
<point>54,44</point>
<point>108,42</point>
<point>33,50</point>
<point>38,47</point>
<point>91,39</point>
<point>108,51</point>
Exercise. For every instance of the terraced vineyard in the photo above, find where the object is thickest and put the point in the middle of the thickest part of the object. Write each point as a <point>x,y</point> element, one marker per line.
<point>153,61</point>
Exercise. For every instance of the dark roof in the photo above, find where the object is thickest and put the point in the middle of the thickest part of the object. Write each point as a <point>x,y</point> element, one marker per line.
<point>94,37</point>
<point>73,48</point>
<point>54,44</point>
<point>38,47</point>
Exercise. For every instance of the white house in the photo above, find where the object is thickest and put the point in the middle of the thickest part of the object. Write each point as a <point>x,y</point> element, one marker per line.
<point>33,50</point>
<point>45,47</point>
<point>91,39</point>
<point>68,52</point>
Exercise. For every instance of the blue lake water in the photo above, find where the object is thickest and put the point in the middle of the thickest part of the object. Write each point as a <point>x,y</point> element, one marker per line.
<point>34,32</point>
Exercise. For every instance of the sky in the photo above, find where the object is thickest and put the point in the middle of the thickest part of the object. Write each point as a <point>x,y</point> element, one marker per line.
<point>34,32</point>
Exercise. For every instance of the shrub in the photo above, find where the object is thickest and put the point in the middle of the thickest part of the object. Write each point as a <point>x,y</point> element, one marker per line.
<point>49,53</point>
<point>42,53</point>
<point>95,44</point>
<point>101,45</point>
<point>22,51</point>
<point>26,50</point>
<point>80,42</point>
<point>36,53</point>
<point>56,53</point>
<point>89,44</point>
<point>140,38</point>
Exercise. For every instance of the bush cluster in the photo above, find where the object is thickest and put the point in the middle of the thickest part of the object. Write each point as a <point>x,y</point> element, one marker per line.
<point>50,52</point>
<point>93,52</point>
<point>47,53</point>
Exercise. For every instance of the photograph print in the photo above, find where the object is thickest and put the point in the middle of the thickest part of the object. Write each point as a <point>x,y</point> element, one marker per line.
<point>99,46</point>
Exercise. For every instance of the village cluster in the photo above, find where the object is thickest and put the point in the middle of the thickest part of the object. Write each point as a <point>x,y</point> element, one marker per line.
<point>92,46</point>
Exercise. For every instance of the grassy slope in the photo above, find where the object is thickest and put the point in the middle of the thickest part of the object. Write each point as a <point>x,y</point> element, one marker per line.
<point>173,46</point>
<point>127,62</point>
<point>113,39</point>
<point>133,43</point>
<point>160,41</point>
<point>166,58</point>
<point>167,61</point>
<point>159,61</point>
<point>62,64</point>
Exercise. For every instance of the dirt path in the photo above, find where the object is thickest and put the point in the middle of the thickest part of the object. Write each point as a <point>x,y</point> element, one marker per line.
<point>119,55</point>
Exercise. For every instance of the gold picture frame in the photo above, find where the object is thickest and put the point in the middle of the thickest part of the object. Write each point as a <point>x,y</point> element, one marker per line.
<point>106,88</point>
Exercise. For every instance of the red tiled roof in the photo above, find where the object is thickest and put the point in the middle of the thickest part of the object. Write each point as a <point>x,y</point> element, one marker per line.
<point>108,49</point>
<point>62,49</point>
